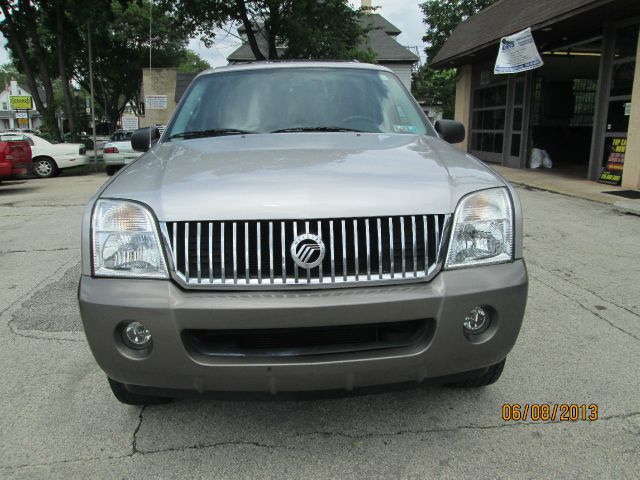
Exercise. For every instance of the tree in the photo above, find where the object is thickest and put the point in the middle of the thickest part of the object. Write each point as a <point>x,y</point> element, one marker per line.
<point>192,62</point>
<point>438,87</point>
<point>120,39</point>
<point>28,47</point>
<point>279,28</point>
<point>442,16</point>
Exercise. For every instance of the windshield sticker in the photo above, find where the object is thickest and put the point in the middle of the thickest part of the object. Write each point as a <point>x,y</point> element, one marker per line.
<point>405,129</point>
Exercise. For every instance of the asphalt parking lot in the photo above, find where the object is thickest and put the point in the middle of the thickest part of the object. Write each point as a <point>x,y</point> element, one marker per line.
<point>580,343</point>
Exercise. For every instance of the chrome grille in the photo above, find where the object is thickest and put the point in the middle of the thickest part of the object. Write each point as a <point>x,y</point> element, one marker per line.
<point>212,254</point>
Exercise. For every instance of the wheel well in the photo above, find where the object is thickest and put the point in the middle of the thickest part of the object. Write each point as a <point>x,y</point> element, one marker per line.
<point>44,157</point>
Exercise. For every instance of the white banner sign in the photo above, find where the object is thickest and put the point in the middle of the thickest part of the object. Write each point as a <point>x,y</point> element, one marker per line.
<point>129,122</point>
<point>22,115</point>
<point>156,102</point>
<point>518,53</point>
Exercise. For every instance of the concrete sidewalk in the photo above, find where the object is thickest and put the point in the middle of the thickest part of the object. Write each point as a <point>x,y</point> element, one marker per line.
<point>571,186</point>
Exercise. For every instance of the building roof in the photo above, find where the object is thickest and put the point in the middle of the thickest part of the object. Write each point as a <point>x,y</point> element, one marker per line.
<point>506,17</point>
<point>378,22</point>
<point>387,49</point>
<point>379,39</point>
<point>183,80</point>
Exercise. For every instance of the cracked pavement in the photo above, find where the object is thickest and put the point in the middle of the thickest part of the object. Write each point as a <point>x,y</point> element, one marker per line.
<point>580,343</point>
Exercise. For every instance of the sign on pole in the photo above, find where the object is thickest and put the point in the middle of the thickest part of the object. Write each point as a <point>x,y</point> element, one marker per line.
<point>129,122</point>
<point>517,53</point>
<point>24,102</point>
<point>21,115</point>
<point>155,102</point>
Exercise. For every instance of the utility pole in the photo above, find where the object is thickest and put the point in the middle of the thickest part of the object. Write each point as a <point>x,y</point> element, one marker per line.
<point>93,111</point>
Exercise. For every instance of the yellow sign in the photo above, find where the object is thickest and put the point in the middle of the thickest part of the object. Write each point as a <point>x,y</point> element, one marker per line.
<point>21,102</point>
<point>23,122</point>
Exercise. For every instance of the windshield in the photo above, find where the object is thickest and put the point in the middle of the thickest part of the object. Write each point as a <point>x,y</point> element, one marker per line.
<point>297,99</point>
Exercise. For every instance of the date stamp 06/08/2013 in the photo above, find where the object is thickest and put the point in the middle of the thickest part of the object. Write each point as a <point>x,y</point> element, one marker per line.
<point>545,412</point>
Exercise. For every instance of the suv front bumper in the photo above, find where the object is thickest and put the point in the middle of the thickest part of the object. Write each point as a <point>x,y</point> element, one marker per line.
<point>168,310</point>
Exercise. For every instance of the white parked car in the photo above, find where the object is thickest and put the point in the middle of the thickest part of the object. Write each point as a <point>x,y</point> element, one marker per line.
<point>118,152</point>
<point>49,158</point>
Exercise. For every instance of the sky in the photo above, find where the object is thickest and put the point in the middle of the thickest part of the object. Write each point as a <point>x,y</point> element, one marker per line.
<point>404,14</point>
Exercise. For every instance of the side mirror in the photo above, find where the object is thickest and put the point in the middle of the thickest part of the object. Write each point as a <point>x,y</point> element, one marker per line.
<point>144,138</point>
<point>450,130</point>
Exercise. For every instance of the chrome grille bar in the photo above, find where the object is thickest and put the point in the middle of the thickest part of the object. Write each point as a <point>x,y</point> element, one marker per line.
<point>355,247</point>
<point>404,269</point>
<point>366,222</point>
<point>295,265</point>
<point>199,261</point>
<point>379,222</point>
<point>284,259</point>
<point>271,279</point>
<point>373,250</point>
<point>222,255</point>
<point>320,236</point>
<point>333,257</point>
<point>235,253</point>
<point>210,252</point>
<point>415,246</point>
<point>186,251</point>
<point>391,252</point>
<point>259,252</point>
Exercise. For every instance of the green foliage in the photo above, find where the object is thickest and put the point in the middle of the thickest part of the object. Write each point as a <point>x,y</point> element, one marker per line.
<point>9,72</point>
<point>191,62</point>
<point>308,28</point>
<point>436,88</point>
<point>443,16</point>
<point>313,29</point>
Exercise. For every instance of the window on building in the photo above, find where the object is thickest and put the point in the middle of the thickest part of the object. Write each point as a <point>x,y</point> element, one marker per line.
<point>4,106</point>
<point>584,102</point>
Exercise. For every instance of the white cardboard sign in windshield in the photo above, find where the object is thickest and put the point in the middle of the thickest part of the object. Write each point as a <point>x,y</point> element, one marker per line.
<point>517,53</point>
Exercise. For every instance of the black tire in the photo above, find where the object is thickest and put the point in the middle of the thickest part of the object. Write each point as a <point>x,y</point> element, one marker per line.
<point>112,169</point>
<point>45,167</point>
<point>491,375</point>
<point>129,398</point>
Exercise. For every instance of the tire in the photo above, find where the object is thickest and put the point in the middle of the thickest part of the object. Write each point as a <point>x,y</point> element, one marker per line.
<point>129,398</point>
<point>491,375</point>
<point>45,167</point>
<point>111,169</point>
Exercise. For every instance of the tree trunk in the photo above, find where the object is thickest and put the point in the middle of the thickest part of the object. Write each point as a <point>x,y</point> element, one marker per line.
<point>41,59</point>
<point>253,43</point>
<point>68,105</point>
<point>18,44</point>
<point>272,30</point>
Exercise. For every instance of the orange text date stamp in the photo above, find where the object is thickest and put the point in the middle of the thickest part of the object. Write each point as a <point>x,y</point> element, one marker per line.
<point>545,412</point>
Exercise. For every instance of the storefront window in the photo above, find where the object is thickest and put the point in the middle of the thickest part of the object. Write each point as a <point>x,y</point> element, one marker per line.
<point>622,78</point>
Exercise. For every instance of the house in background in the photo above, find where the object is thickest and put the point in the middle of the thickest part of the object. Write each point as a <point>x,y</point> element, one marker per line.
<point>21,119</point>
<point>381,39</point>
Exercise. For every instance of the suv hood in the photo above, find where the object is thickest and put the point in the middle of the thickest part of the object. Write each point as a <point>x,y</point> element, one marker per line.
<point>301,175</point>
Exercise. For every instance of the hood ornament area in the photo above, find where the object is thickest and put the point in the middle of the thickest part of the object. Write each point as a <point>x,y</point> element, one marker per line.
<point>308,250</point>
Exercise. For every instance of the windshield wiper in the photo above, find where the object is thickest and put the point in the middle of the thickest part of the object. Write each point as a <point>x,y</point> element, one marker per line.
<point>316,129</point>
<point>212,132</point>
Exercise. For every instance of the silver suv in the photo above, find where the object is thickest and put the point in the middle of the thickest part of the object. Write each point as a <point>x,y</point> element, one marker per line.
<point>300,226</point>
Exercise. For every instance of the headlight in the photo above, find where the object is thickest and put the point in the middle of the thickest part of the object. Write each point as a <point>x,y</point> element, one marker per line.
<point>482,230</point>
<point>125,241</point>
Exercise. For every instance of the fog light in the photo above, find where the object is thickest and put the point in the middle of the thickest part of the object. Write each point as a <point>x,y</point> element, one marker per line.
<point>136,335</point>
<point>477,320</point>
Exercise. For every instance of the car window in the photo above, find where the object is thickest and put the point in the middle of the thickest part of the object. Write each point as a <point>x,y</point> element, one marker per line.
<point>269,100</point>
<point>15,138</point>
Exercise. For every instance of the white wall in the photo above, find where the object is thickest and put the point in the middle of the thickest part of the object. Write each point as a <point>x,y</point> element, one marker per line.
<point>403,71</point>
